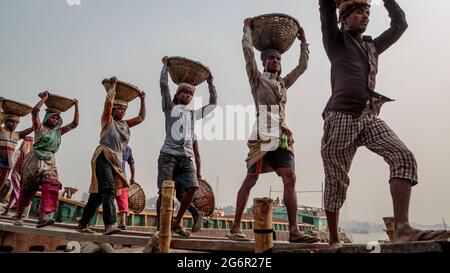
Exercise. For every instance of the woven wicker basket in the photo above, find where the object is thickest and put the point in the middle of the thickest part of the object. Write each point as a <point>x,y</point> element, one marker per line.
<point>16,108</point>
<point>58,102</point>
<point>204,198</point>
<point>127,92</point>
<point>274,31</point>
<point>136,198</point>
<point>188,71</point>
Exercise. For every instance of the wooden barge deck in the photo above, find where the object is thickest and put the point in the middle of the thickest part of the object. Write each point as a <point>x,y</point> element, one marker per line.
<point>54,238</point>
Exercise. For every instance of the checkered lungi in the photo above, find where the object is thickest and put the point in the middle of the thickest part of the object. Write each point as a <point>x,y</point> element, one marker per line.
<point>343,134</point>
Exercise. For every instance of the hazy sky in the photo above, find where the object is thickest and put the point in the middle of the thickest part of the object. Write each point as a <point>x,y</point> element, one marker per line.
<point>68,50</point>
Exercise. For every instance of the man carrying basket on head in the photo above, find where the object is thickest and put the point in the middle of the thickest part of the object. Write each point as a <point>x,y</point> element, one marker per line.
<point>269,92</point>
<point>107,175</point>
<point>176,160</point>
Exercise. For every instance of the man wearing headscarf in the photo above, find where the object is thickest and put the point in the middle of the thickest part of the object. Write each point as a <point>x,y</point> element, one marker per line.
<point>177,155</point>
<point>39,170</point>
<point>351,114</point>
<point>8,142</point>
<point>107,175</point>
<point>271,143</point>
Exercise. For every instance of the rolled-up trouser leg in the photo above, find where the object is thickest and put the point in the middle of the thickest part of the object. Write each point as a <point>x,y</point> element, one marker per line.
<point>381,139</point>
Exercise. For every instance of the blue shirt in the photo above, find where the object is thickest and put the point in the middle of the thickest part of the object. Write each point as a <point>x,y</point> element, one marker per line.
<point>127,157</point>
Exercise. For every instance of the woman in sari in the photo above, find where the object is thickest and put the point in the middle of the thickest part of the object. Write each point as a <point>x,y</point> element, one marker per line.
<point>39,171</point>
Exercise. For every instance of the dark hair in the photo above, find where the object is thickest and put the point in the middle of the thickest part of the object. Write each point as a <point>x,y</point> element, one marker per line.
<point>349,10</point>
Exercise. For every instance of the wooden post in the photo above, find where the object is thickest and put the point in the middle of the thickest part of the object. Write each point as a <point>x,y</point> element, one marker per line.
<point>165,227</point>
<point>262,211</point>
<point>131,219</point>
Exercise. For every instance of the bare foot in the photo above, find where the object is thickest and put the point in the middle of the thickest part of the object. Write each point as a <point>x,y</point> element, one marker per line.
<point>335,245</point>
<point>236,230</point>
<point>404,234</point>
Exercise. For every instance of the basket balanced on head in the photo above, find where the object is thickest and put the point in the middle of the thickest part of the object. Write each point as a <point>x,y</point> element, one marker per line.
<point>183,70</point>
<point>15,108</point>
<point>274,31</point>
<point>126,91</point>
<point>58,102</point>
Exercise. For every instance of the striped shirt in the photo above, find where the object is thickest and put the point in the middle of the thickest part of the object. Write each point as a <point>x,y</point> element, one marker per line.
<point>8,143</point>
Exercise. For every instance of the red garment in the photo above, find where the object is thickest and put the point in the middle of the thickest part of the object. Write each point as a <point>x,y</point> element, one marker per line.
<point>122,200</point>
<point>49,197</point>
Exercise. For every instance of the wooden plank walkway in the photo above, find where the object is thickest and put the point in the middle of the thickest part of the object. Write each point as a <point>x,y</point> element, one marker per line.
<point>206,244</point>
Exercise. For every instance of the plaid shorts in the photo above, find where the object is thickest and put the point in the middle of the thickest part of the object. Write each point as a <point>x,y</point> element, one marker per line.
<point>343,134</point>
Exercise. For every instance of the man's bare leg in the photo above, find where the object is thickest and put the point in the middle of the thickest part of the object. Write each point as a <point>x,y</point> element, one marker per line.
<point>290,201</point>
<point>401,195</point>
<point>242,199</point>
<point>122,220</point>
<point>185,203</point>
<point>333,226</point>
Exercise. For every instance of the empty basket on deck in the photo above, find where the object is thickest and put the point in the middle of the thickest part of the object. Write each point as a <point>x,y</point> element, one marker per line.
<point>126,91</point>
<point>274,31</point>
<point>136,198</point>
<point>204,198</point>
<point>188,71</point>
<point>16,108</point>
<point>58,102</point>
